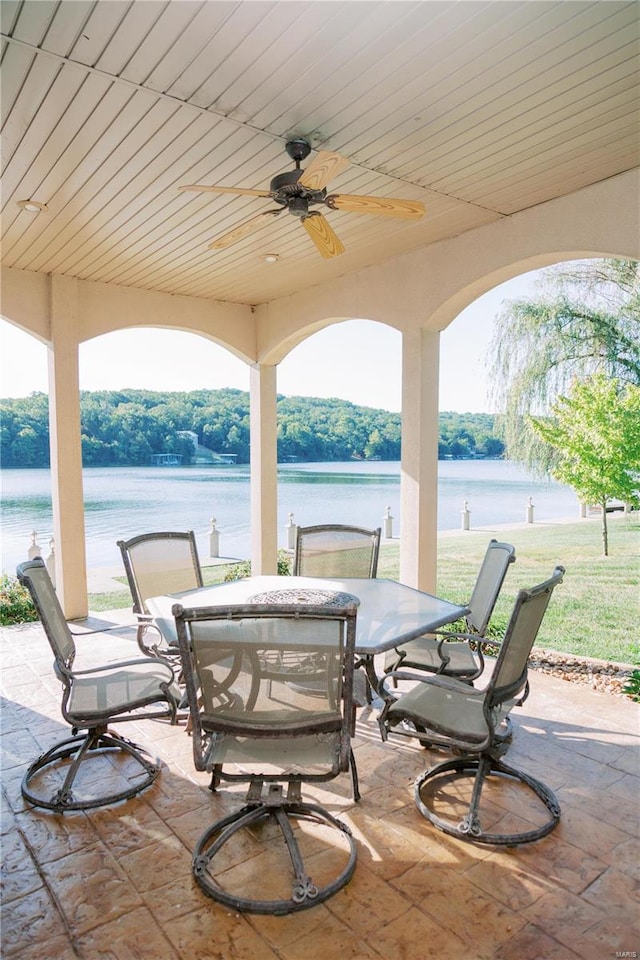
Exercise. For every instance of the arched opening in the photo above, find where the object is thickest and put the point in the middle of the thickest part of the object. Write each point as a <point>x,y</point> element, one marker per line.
<point>123,376</point>
<point>466,341</point>
<point>339,453</point>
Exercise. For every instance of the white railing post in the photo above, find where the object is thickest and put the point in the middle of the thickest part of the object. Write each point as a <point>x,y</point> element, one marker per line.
<point>51,561</point>
<point>387,525</point>
<point>214,539</point>
<point>292,532</point>
<point>530,509</point>
<point>35,550</point>
<point>465,515</point>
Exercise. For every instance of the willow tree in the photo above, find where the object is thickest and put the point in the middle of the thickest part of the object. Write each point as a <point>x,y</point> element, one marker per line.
<point>585,320</point>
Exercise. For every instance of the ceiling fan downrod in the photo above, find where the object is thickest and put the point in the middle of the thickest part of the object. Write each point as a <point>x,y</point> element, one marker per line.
<point>298,150</point>
<point>285,188</point>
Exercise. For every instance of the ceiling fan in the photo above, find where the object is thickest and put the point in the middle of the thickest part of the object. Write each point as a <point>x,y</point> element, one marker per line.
<point>298,190</point>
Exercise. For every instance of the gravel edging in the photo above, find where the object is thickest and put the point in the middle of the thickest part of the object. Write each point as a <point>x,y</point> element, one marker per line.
<point>602,675</point>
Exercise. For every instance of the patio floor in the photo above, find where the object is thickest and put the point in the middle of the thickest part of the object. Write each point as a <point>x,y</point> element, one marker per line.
<point>117,883</point>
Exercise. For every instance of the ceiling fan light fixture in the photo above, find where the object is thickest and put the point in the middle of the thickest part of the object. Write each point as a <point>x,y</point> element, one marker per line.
<point>32,206</point>
<point>298,207</point>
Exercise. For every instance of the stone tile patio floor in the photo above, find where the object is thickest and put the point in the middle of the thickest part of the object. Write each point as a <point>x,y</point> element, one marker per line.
<point>116,882</point>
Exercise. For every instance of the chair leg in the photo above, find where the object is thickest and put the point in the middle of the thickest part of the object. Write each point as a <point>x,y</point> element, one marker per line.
<point>470,828</point>
<point>215,777</point>
<point>471,823</point>
<point>305,892</point>
<point>81,749</point>
<point>354,775</point>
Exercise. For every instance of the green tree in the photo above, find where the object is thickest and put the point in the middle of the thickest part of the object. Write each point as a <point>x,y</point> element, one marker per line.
<point>374,446</point>
<point>596,433</point>
<point>125,427</point>
<point>586,320</point>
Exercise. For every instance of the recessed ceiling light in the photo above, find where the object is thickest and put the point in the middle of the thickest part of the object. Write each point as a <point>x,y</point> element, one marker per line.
<point>271,257</point>
<point>32,206</point>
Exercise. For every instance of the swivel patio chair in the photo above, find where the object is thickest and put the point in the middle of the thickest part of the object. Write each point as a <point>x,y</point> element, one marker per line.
<point>450,713</point>
<point>336,550</point>
<point>156,564</point>
<point>79,772</point>
<point>274,741</point>
<point>460,653</point>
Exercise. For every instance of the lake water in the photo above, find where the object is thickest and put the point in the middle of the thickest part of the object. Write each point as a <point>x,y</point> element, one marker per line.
<point>120,503</point>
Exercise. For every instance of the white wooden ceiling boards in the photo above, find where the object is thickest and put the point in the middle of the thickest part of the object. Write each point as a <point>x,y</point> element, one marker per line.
<point>476,109</point>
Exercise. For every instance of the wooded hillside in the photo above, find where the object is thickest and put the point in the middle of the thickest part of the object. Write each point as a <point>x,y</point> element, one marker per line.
<point>127,427</point>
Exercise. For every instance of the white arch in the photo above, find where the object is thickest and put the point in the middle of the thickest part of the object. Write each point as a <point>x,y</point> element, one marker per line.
<point>100,308</point>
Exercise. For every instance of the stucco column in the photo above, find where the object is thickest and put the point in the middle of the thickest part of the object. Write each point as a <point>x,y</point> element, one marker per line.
<point>66,451</point>
<point>264,469</point>
<point>419,466</point>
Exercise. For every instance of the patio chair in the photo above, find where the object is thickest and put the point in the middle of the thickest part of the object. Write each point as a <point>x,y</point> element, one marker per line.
<point>274,741</point>
<point>156,564</point>
<point>459,653</point>
<point>450,713</point>
<point>336,550</point>
<point>89,765</point>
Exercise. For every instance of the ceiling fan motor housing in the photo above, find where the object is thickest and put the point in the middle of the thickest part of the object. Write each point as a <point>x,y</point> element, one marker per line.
<point>298,206</point>
<point>286,190</point>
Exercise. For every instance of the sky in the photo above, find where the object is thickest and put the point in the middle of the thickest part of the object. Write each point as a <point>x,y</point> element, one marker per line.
<point>357,360</point>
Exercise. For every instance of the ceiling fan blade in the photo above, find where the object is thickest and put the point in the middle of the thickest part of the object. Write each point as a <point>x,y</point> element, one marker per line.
<point>249,226</point>
<point>322,235</point>
<point>205,188</point>
<point>405,209</point>
<point>389,206</point>
<point>322,169</point>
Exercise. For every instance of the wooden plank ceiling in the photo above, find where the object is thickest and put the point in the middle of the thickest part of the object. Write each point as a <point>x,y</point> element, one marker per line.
<point>478,109</point>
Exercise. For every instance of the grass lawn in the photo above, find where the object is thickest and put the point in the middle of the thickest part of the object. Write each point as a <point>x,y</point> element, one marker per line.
<point>119,599</point>
<point>593,613</point>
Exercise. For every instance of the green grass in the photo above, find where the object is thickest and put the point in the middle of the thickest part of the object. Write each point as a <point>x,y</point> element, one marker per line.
<point>593,613</point>
<point>119,599</point>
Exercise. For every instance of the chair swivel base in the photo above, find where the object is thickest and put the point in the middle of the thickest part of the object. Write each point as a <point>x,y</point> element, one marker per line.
<point>277,808</point>
<point>469,828</point>
<point>81,749</point>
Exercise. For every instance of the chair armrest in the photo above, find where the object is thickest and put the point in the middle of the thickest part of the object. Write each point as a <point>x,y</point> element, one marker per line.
<point>471,637</point>
<point>463,637</point>
<point>116,626</point>
<point>434,679</point>
<point>457,635</point>
<point>118,664</point>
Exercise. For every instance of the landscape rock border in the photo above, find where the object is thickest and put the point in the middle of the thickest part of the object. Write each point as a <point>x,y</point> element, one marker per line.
<point>602,675</point>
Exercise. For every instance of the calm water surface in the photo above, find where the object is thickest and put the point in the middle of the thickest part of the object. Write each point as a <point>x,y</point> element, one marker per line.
<point>123,502</point>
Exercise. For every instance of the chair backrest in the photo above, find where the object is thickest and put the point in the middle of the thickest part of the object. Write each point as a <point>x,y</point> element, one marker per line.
<point>250,714</point>
<point>34,575</point>
<point>160,563</point>
<point>510,672</point>
<point>336,550</point>
<point>488,584</point>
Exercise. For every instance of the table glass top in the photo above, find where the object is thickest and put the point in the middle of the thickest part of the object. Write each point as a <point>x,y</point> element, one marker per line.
<point>389,613</point>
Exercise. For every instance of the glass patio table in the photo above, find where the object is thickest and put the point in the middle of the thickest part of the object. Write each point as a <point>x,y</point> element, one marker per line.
<point>389,613</point>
